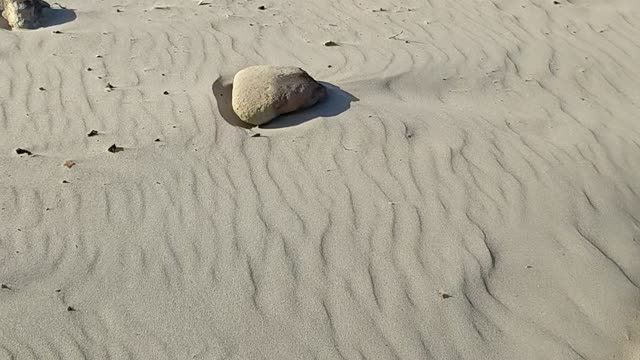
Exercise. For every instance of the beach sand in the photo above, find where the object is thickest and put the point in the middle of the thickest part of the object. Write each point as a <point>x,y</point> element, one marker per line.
<point>470,189</point>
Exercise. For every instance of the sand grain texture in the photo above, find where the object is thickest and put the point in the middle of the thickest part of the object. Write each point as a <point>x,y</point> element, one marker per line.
<point>493,157</point>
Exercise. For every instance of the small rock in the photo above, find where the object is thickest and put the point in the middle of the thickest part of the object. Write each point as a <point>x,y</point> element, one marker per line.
<point>5,287</point>
<point>92,133</point>
<point>261,93</point>
<point>157,140</point>
<point>41,88</point>
<point>330,43</point>
<point>20,151</point>
<point>71,308</point>
<point>114,149</point>
<point>56,32</point>
<point>446,296</point>
<point>69,164</point>
<point>109,87</point>
<point>262,7</point>
<point>23,14</point>
<point>165,93</point>
<point>65,182</point>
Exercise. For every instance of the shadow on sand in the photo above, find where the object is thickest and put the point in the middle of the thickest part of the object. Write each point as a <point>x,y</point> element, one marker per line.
<point>336,102</point>
<point>52,17</point>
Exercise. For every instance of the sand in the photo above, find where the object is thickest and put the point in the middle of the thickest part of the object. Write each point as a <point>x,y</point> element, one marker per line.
<point>469,190</point>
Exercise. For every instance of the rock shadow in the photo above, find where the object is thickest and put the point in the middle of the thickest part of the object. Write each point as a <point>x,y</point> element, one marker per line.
<point>53,17</point>
<point>335,103</point>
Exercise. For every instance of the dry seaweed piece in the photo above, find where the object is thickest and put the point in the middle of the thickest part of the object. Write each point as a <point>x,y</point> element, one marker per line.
<point>20,151</point>
<point>69,164</point>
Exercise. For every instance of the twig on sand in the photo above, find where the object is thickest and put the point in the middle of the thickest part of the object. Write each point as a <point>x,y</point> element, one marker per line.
<point>395,37</point>
<point>349,149</point>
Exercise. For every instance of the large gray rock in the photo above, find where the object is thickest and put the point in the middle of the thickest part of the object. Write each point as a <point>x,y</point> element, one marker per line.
<point>261,93</point>
<point>23,14</point>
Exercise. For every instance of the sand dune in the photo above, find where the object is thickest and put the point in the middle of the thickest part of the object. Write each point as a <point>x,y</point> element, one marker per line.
<point>469,191</point>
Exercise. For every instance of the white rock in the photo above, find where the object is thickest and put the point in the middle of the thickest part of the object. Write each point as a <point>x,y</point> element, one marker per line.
<point>23,14</point>
<point>261,93</point>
